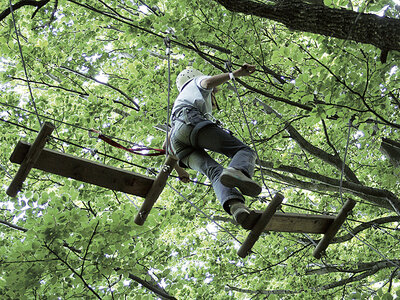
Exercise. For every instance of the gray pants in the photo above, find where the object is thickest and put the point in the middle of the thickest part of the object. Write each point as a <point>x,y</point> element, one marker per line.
<point>213,138</point>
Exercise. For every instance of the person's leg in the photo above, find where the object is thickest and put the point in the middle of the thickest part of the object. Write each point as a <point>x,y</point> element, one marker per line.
<point>192,130</point>
<point>230,198</point>
<point>218,140</point>
<point>197,159</point>
<point>241,167</point>
<point>200,161</point>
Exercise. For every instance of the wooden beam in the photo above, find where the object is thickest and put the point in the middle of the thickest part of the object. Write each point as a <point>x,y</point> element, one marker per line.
<point>86,170</point>
<point>260,225</point>
<point>300,223</point>
<point>334,228</point>
<point>295,222</point>
<point>30,159</point>
<point>156,189</point>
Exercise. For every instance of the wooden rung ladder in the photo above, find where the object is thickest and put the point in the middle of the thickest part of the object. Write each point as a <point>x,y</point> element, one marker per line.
<point>271,220</point>
<point>36,156</point>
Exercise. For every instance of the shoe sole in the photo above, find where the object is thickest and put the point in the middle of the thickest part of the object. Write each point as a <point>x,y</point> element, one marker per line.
<point>247,219</point>
<point>247,187</point>
<point>241,214</point>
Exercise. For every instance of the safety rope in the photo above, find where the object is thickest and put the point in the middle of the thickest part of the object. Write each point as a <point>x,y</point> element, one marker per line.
<point>341,199</point>
<point>139,150</point>
<point>167,43</point>
<point>32,100</point>
<point>344,161</point>
<point>228,66</point>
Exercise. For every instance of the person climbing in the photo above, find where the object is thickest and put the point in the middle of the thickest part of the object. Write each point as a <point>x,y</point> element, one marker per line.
<point>193,131</point>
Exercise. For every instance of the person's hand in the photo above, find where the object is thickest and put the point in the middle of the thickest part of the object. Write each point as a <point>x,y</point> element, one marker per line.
<point>244,70</point>
<point>184,178</point>
<point>182,174</point>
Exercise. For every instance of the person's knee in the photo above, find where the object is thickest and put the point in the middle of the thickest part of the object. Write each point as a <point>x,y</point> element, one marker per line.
<point>198,160</point>
<point>214,171</point>
<point>253,153</point>
<point>248,151</point>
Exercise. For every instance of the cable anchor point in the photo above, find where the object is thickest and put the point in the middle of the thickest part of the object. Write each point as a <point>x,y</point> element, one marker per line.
<point>228,65</point>
<point>167,42</point>
<point>166,168</point>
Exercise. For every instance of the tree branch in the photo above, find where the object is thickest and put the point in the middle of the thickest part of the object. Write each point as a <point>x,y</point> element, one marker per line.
<point>357,229</point>
<point>38,4</point>
<point>106,84</point>
<point>308,147</point>
<point>383,198</point>
<point>87,247</point>
<point>13,226</point>
<point>73,271</point>
<point>83,94</point>
<point>157,290</point>
<point>328,141</point>
<point>358,268</point>
<point>366,270</point>
<point>363,227</point>
<point>361,96</point>
<point>262,292</point>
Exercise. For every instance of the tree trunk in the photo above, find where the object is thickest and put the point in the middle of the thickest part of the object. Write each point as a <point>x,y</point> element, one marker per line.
<point>382,32</point>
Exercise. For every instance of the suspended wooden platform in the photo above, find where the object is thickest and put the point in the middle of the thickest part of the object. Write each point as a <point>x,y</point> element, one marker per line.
<point>299,223</point>
<point>271,220</point>
<point>36,156</point>
<point>85,170</point>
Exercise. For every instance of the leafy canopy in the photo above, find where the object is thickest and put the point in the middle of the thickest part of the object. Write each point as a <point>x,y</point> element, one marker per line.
<point>102,65</point>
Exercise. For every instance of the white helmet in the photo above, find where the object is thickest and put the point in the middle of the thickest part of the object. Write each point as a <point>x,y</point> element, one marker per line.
<point>185,76</point>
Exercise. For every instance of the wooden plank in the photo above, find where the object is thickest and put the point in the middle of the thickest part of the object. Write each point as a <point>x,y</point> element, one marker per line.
<point>301,223</point>
<point>86,170</point>
<point>30,159</point>
<point>156,189</point>
<point>334,228</point>
<point>260,225</point>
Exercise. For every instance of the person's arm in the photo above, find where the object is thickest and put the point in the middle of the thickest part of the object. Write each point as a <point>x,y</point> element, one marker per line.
<point>219,79</point>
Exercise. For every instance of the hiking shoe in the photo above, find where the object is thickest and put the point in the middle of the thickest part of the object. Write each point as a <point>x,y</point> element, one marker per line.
<point>243,216</point>
<point>231,177</point>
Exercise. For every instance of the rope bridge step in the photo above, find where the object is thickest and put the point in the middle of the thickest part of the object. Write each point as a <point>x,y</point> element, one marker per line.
<point>85,170</point>
<point>271,220</point>
<point>299,223</point>
<point>35,156</point>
